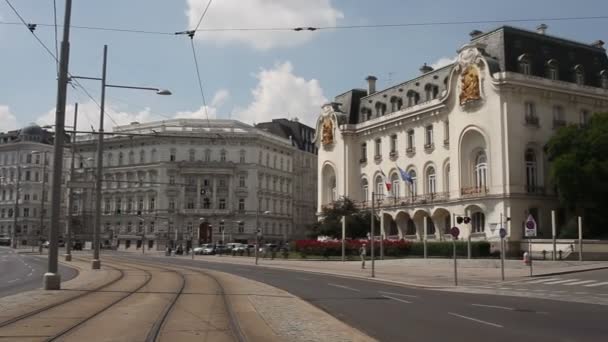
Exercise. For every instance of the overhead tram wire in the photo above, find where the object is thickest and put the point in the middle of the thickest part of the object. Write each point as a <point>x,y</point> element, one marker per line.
<point>203,15</point>
<point>56,39</point>
<point>32,28</point>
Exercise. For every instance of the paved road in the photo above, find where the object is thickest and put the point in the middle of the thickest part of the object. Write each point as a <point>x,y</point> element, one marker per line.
<point>22,272</point>
<point>397,313</point>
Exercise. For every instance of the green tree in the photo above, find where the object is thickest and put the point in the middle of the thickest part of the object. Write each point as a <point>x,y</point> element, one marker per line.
<point>579,169</point>
<point>357,221</point>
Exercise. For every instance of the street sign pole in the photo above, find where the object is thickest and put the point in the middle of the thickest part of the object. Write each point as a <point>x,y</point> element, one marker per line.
<point>530,254</point>
<point>580,238</point>
<point>553,233</point>
<point>455,232</point>
<point>502,258</point>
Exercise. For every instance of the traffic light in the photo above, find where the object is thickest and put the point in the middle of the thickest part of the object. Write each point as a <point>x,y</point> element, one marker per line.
<point>467,220</point>
<point>459,220</point>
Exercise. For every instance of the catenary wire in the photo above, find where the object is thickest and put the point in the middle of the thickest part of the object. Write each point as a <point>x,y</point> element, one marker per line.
<point>203,15</point>
<point>56,40</point>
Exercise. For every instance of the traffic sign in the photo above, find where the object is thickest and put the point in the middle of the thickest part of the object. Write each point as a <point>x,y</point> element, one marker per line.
<point>531,226</point>
<point>455,232</point>
<point>502,232</point>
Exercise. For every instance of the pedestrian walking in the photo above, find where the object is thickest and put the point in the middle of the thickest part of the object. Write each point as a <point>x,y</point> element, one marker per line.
<point>363,253</point>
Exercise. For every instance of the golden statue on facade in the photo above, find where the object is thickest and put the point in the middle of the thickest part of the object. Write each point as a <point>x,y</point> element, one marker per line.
<point>328,131</point>
<point>470,90</point>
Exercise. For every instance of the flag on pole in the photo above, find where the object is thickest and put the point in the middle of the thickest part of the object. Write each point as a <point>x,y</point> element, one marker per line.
<point>386,181</point>
<point>405,176</point>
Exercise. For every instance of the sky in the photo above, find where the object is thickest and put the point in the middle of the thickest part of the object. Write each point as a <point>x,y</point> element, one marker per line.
<point>252,76</point>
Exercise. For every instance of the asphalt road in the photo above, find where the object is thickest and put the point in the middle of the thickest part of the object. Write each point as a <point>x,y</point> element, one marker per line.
<point>400,313</point>
<point>22,272</point>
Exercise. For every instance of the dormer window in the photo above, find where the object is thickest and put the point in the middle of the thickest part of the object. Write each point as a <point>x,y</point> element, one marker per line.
<point>412,98</point>
<point>396,103</point>
<point>525,64</point>
<point>604,79</point>
<point>579,74</point>
<point>380,109</point>
<point>431,91</point>
<point>552,71</point>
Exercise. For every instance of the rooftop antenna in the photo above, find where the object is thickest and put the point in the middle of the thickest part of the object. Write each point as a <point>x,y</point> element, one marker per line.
<point>390,77</point>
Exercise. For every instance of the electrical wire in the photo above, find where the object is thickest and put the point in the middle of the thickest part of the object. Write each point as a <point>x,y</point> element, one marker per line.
<point>200,82</point>
<point>56,40</point>
<point>203,15</point>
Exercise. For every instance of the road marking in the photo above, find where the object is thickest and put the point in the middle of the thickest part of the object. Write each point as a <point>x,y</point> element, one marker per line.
<point>29,274</point>
<point>581,293</point>
<point>504,288</point>
<point>306,279</point>
<point>580,282</point>
<point>597,284</point>
<point>541,281</point>
<point>14,280</point>
<point>494,307</point>
<point>561,281</point>
<point>397,294</point>
<point>344,287</point>
<point>398,299</point>
<point>476,320</point>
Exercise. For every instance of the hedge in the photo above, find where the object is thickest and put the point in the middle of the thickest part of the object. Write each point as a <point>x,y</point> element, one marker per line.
<point>395,248</point>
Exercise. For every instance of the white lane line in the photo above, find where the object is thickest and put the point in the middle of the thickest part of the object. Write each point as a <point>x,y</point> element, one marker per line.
<point>494,307</point>
<point>14,280</point>
<point>561,281</point>
<point>541,281</point>
<point>580,282</point>
<point>397,294</point>
<point>597,284</point>
<point>30,274</point>
<point>305,279</point>
<point>476,320</point>
<point>343,287</point>
<point>398,299</point>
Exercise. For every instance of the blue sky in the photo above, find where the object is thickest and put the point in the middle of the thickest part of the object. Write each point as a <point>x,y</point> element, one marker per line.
<point>249,76</point>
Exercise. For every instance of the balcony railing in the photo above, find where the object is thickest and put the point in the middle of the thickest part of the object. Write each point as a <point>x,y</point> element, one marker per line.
<point>363,160</point>
<point>473,191</point>
<point>393,155</point>
<point>378,157</point>
<point>532,120</point>
<point>558,123</point>
<point>410,150</point>
<point>533,189</point>
<point>429,147</point>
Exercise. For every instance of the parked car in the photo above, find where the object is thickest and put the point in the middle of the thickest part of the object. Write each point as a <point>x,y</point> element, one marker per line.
<point>208,249</point>
<point>198,250</point>
<point>221,249</point>
<point>268,247</point>
<point>46,244</point>
<point>237,247</point>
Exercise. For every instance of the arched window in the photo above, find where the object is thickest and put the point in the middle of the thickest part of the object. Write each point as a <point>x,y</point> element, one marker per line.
<point>396,103</point>
<point>191,155</point>
<point>431,91</point>
<point>446,179</point>
<point>525,64</point>
<point>413,187</point>
<point>110,159</point>
<point>395,185</point>
<point>412,98</point>
<point>120,158</point>
<point>481,171</point>
<point>379,186</point>
<point>208,155</point>
<point>380,109</point>
<point>223,155</point>
<point>531,171</point>
<point>142,156</point>
<point>431,181</point>
<point>364,190</point>
<point>552,71</point>
<point>153,157</point>
<point>579,74</point>
<point>478,222</point>
<point>131,157</point>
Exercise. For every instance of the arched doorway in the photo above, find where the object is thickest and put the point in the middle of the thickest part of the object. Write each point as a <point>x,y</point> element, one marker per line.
<point>474,173</point>
<point>205,233</point>
<point>328,187</point>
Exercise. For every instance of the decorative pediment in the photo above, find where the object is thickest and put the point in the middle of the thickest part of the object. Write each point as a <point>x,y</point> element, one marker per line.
<point>469,66</point>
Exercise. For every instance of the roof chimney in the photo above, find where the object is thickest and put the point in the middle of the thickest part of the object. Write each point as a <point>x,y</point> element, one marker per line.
<point>541,29</point>
<point>371,84</point>
<point>598,44</point>
<point>475,33</point>
<point>426,68</point>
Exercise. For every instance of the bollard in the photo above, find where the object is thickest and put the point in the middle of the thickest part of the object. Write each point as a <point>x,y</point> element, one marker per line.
<point>560,254</point>
<point>544,254</point>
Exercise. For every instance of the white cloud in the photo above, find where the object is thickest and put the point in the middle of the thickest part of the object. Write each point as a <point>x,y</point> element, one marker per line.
<point>443,61</point>
<point>8,121</point>
<point>221,96</point>
<point>261,14</point>
<point>280,93</point>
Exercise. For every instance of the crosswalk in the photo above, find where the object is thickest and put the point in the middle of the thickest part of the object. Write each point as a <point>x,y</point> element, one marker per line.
<point>591,283</point>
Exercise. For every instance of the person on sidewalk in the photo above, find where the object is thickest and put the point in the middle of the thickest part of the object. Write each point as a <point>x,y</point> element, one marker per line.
<point>363,253</point>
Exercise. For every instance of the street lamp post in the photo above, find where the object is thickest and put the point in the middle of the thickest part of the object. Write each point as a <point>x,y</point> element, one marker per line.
<point>96,264</point>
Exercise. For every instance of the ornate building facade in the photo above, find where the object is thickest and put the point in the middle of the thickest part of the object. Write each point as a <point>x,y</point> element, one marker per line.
<point>463,140</point>
<point>190,181</point>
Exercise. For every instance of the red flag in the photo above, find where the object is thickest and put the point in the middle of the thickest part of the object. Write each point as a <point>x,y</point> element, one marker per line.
<point>386,181</point>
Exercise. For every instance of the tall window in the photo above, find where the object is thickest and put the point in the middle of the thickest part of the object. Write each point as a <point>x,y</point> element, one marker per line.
<point>222,203</point>
<point>446,179</point>
<point>207,155</point>
<point>241,156</point>
<point>365,189</point>
<point>364,151</point>
<point>531,170</point>
<point>380,186</point>
<point>478,222</point>
<point>410,140</point>
<point>530,109</point>
<point>429,136</point>
<point>394,143</point>
<point>431,180</point>
<point>142,156</point>
<point>395,185</point>
<point>525,64</point>
<point>241,204</point>
<point>118,205</point>
<point>152,203</point>
<point>584,119</point>
<point>413,187</point>
<point>378,148</point>
<point>172,154</point>
<point>481,170</point>
<point>446,132</point>
<point>153,156</point>
<point>558,116</point>
<point>131,157</point>
<point>223,155</point>
<point>579,74</point>
<point>242,181</point>
<point>191,155</point>
<point>241,227</point>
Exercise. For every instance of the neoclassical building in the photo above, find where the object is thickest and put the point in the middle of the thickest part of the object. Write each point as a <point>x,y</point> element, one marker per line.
<point>469,137</point>
<point>186,181</point>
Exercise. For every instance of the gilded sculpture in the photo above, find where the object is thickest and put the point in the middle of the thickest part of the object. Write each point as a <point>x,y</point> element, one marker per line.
<point>328,131</point>
<point>470,90</point>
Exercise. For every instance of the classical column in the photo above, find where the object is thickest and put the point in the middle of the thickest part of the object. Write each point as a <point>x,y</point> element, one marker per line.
<point>214,204</point>
<point>198,192</point>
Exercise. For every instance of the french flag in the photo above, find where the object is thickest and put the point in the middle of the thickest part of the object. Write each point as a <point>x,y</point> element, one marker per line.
<point>386,181</point>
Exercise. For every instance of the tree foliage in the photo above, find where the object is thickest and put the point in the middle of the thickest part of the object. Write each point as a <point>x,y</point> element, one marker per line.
<point>357,221</point>
<point>579,169</point>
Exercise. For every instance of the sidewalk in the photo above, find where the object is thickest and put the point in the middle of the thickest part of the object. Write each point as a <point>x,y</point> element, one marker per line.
<point>420,272</point>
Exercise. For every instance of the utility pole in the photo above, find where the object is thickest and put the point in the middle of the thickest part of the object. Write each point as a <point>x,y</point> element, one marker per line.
<point>43,155</point>
<point>257,229</point>
<point>16,209</point>
<point>68,240</point>
<point>52,279</point>
<point>372,233</point>
<point>96,264</point>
